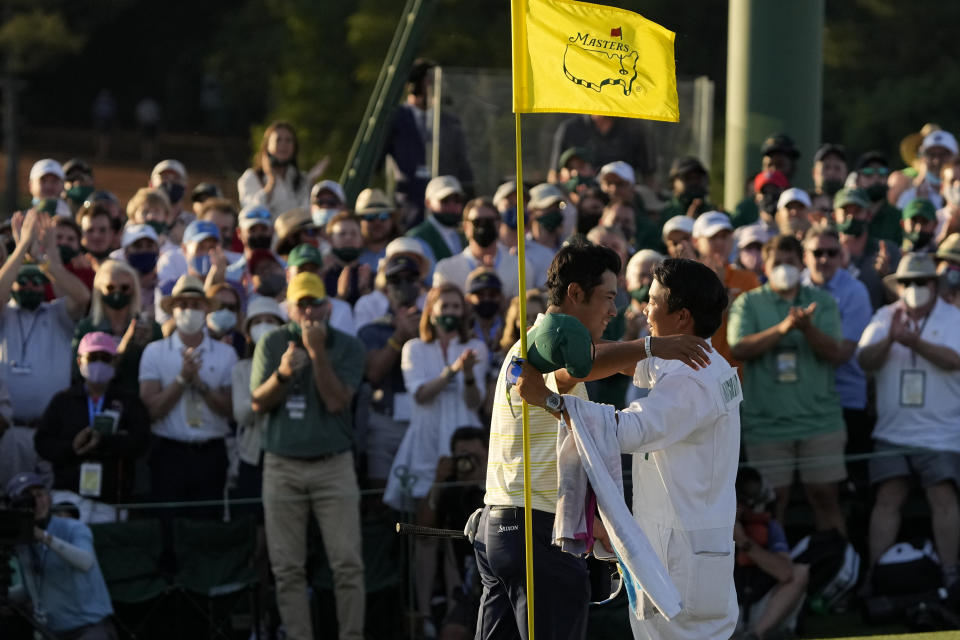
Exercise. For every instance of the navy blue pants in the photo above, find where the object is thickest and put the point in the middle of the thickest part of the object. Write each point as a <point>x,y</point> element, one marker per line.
<point>561,582</point>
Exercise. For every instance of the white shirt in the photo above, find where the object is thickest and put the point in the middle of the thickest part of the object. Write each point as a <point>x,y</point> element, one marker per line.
<point>162,361</point>
<point>283,198</point>
<point>539,257</point>
<point>458,267</point>
<point>171,266</point>
<point>935,424</point>
<point>911,194</point>
<point>373,306</point>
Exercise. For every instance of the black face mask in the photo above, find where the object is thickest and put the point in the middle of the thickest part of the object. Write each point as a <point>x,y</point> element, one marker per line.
<point>174,191</point>
<point>271,285</point>
<point>116,300</point>
<point>877,192</point>
<point>919,239</point>
<point>486,309</point>
<point>67,253</point>
<point>688,195</point>
<point>346,254</point>
<point>259,242</point>
<point>831,187</point>
<point>769,203</point>
<point>587,221</point>
<point>484,232</point>
<point>100,255</point>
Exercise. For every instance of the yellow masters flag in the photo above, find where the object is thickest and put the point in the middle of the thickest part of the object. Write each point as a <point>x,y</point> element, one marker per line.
<point>576,57</point>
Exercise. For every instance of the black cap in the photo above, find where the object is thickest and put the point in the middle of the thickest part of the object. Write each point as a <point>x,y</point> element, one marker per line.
<point>686,164</point>
<point>830,150</point>
<point>871,157</point>
<point>205,190</point>
<point>102,195</point>
<point>401,264</point>
<point>482,281</point>
<point>780,143</point>
<point>76,164</point>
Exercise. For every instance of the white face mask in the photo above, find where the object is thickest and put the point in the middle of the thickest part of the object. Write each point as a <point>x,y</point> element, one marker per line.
<point>916,296</point>
<point>784,277</point>
<point>259,330</point>
<point>189,321</point>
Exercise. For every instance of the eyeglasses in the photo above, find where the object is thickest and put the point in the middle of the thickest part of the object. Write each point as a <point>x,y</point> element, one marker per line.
<point>308,303</point>
<point>37,281</point>
<point>829,253</point>
<point>383,216</point>
<point>99,356</point>
<point>920,282</point>
<point>874,171</point>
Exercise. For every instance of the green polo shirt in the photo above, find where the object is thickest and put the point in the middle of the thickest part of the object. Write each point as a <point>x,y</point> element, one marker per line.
<point>318,432</point>
<point>885,224</point>
<point>788,392</point>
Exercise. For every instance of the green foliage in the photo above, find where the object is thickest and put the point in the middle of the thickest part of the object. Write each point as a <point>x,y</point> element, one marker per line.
<point>30,40</point>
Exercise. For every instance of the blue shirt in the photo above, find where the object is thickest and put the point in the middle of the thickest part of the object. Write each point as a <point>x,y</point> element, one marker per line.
<point>853,302</point>
<point>71,598</point>
<point>372,259</point>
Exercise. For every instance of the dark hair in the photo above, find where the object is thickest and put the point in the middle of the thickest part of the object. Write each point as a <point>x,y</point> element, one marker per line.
<point>467,433</point>
<point>67,222</point>
<point>695,287</point>
<point>749,485</point>
<point>581,262</point>
<point>418,75</point>
<point>782,242</point>
<point>92,210</point>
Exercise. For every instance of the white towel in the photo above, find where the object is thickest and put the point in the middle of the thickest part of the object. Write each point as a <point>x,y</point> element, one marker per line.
<point>594,435</point>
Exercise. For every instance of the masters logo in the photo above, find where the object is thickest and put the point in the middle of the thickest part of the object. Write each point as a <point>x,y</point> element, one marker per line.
<point>594,63</point>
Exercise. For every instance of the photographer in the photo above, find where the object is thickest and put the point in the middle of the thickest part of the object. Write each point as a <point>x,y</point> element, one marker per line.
<point>60,568</point>
<point>456,493</point>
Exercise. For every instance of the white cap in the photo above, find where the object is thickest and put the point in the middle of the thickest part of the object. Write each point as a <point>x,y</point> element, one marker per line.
<point>504,190</point>
<point>442,187</point>
<point>710,224</point>
<point>793,194</point>
<point>751,234</point>
<point>678,223</point>
<point>135,232</point>
<point>253,215</point>
<point>412,246</point>
<point>636,263</point>
<point>331,186</point>
<point>940,138</point>
<point>168,165</point>
<point>619,168</point>
<point>45,167</point>
<point>545,195</point>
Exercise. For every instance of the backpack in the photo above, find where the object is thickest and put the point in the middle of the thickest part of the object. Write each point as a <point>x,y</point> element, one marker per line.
<point>834,567</point>
<point>907,568</point>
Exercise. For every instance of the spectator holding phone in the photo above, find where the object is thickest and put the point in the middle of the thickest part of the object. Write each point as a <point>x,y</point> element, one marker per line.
<point>93,432</point>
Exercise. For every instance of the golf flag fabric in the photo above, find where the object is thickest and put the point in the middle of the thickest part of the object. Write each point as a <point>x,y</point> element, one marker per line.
<point>577,57</point>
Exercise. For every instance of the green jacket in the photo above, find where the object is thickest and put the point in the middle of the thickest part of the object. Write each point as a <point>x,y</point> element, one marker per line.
<point>428,234</point>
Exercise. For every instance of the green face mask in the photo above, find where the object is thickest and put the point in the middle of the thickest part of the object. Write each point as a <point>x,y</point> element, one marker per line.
<point>347,254</point>
<point>447,219</point>
<point>830,187</point>
<point>876,192</point>
<point>116,299</point>
<point>79,194</point>
<point>160,227</point>
<point>28,299</point>
<point>852,227</point>
<point>447,323</point>
<point>642,294</point>
<point>687,196</point>
<point>67,253</point>
<point>551,220</point>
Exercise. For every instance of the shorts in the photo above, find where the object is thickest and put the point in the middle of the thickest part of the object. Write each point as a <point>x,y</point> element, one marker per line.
<point>819,459</point>
<point>930,468</point>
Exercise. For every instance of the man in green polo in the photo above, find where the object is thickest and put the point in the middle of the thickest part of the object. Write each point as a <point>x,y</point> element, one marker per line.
<point>303,377</point>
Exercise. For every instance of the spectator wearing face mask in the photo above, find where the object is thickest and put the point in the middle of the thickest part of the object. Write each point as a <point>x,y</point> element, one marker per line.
<point>197,256</point>
<point>938,150</point>
<point>378,226</point>
<point>787,334</point>
<point>78,182</point>
<point>256,233</point>
<point>912,347</point>
<point>327,199</point>
<point>226,322</point>
<point>170,176</point>
<point>141,250</point>
<point>293,228</point>
<point>343,272</point>
<point>96,233</point>
<point>919,222</point>
<point>505,200</point>
<point>872,173</point>
<point>152,207</point>
<point>948,269</point>
<point>275,181</point>
<point>545,232</point>
<point>267,276</point>
<point>185,384</point>
<point>93,432</point>
<point>115,311</point>
<point>68,235</point>
<point>307,259</point>
<point>484,294</point>
<point>590,201</point>
<point>690,183</point>
<point>482,228</point>
<point>377,303</point>
<point>865,257</point>
<point>440,231</point>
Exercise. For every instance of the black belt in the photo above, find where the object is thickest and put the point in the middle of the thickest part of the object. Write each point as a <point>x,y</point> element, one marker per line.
<point>30,424</point>
<point>320,458</point>
<point>192,445</point>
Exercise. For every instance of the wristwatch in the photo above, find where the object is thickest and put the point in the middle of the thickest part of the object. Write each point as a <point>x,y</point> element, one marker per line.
<point>554,403</point>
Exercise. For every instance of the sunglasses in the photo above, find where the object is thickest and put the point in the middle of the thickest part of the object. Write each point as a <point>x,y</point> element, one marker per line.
<point>99,356</point>
<point>920,282</point>
<point>829,253</point>
<point>383,216</point>
<point>36,281</point>
<point>874,171</point>
<point>308,303</point>
<point>327,203</point>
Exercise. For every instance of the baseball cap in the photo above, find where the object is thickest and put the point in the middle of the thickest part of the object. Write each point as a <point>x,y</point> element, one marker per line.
<point>19,483</point>
<point>678,223</point>
<point>871,157</point>
<point>940,138</point>
<point>372,201</point>
<point>306,285</point>
<point>401,264</point>
<point>97,341</point>
<point>710,224</point>
<point>780,143</point>
<point>328,185</point>
<point>919,207</point>
<point>411,247</point>
<point>620,169</point>
<point>200,230</point>
<point>686,164</point>
<point>134,232</point>
<point>560,340</point>
<point>205,190</point>
<point>169,165</point>
<point>775,178</point>
<point>793,195</point>
<point>45,167</point>
<point>949,249</point>
<point>830,150</point>
<point>750,234</point>
<point>504,190</point>
<point>304,254</point>
<point>32,272</point>
<point>257,256</point>
<point>76,165</point>
<point>574,152</point>
<point>252,216</point>
<point>442,187</point>
<point>545,195</point>
<point>850,196</point>
<point>483,279</point>
<point>290,221</point>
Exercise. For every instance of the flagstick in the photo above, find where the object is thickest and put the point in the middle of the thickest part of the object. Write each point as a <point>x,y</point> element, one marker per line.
<point>527,499</point>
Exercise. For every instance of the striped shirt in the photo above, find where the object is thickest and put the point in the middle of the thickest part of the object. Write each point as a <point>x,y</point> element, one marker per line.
<point>505,460</point>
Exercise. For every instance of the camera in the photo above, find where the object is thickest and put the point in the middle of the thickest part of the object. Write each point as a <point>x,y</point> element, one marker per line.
<point>465,462</point>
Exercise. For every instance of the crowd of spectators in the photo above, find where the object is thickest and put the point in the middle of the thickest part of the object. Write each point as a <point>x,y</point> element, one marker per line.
<point>301,348</point>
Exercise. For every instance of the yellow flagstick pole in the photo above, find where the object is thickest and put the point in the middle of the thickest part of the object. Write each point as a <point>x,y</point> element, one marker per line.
<point>527,499</point>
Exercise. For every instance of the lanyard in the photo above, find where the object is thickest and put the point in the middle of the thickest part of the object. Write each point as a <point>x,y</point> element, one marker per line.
<point>94,408</point>
<point>25,339</point>
<point>913,354</point>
